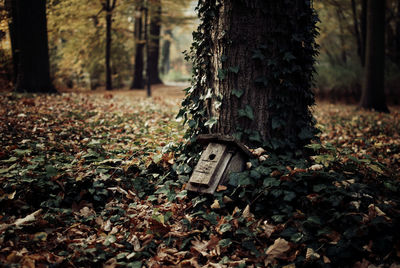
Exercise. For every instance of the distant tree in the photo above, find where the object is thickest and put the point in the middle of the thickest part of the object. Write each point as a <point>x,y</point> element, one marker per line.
<point>11,8</point>
<point>138,81</point>
<point>360,28</point>
<point>108,7</point>
<point>253,66</point>
<point>373,91</point>
<point>33,70</point>
<point>165,52</point>
<point>393,31</point>
<point>154,46</point>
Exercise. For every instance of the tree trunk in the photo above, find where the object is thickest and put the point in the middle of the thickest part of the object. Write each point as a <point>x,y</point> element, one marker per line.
<point>373,92</point>
<point>146,37</point>
<point>357,30</point>
<point>137,81</point>
<point>165,52</point>
<point>340,17</point>
<point>254,67</point>
<point>108,7</point>
<point>154,53</point>
<point>13,26</point>
<point>364,7</point>
<point>108,51</point>
<point>33,73</point>
<point>397,36</point>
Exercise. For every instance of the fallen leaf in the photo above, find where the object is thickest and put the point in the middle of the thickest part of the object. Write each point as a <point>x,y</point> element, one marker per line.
<point>29,218</point>
<point>278,249</point>
<point>215,205</point>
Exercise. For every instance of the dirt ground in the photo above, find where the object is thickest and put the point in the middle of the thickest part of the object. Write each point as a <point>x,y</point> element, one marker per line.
<point>160,90</point>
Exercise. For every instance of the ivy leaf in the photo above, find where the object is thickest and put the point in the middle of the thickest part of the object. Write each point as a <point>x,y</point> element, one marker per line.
<point>238,93</point>
<point>234,69</point>
<point>192,123</point>
<point>270,182</point>
<point>208,95</point>
<point>211,122</point>
<point>221,74</point>
<point>247,112</point>
<point>376,169</point>
<point>288,56</point>
<point>314,146</point>
<point>225,242</point>
<point>225,227</point>
<point>306,134</point>
<point>255,136</point>
<point>258,55</point>
<point>51,171</point>
<point>289,196</point>
<point>276,123</point>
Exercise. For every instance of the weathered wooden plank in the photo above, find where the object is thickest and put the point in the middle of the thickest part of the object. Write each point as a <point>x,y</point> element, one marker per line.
<point>208,165</point>
<point>222,156</point>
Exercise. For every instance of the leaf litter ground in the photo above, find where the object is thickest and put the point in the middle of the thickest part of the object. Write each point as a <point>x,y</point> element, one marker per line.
<point>85,183</point>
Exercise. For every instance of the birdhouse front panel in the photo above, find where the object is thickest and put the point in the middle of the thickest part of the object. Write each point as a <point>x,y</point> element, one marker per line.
<point>209,164</point>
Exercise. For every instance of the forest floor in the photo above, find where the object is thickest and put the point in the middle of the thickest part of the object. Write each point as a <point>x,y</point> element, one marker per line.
<point>85,183</point>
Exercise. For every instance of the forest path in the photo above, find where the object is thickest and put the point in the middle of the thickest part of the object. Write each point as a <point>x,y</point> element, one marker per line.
<point>169,90</point>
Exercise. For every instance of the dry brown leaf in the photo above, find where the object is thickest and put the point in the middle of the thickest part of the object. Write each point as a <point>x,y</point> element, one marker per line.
<point>221,188</point>
<point>258,151</point>
<point>278,249</point>
<point>290,266</point>
<point>215,205</point>
<point>326,259</point>
<point>200,247</point>
<point>269,229</point>
<point>29,218</point>
<point>246,212</point>
<point>312,255</point>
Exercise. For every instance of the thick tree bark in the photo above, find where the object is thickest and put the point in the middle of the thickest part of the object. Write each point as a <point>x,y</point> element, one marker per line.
<point>155,30</point>
<point>13,26</point>
<point>373,92</point>
<point>260,75</point>
<point>33,73</point>
<point>138,81</point>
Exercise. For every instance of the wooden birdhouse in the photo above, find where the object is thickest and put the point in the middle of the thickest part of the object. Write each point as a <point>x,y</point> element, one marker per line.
<point>222,156</point>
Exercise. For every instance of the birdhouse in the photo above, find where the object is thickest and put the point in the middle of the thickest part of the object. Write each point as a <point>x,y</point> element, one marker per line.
<point>222,156</point>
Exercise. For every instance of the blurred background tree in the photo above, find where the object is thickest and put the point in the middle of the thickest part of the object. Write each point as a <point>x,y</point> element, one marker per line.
<point>77,32</point>
<point>77,44</point>
<point>343,36</point>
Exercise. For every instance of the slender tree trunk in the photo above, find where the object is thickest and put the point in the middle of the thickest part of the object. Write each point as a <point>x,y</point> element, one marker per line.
<point>146,37</point>
<point>397,36</point>
<point>373,92</point>
<point>165,52</point>
<point>108,51</point>
<point>258,71</point>
<point>356,29</point>
<point>108,7</point>
<point>364,7</point>
<point>155,30</point>
<point>340,18</point>
<point>13,26</point>
<point>33,74</point>
<point>138,81</point>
